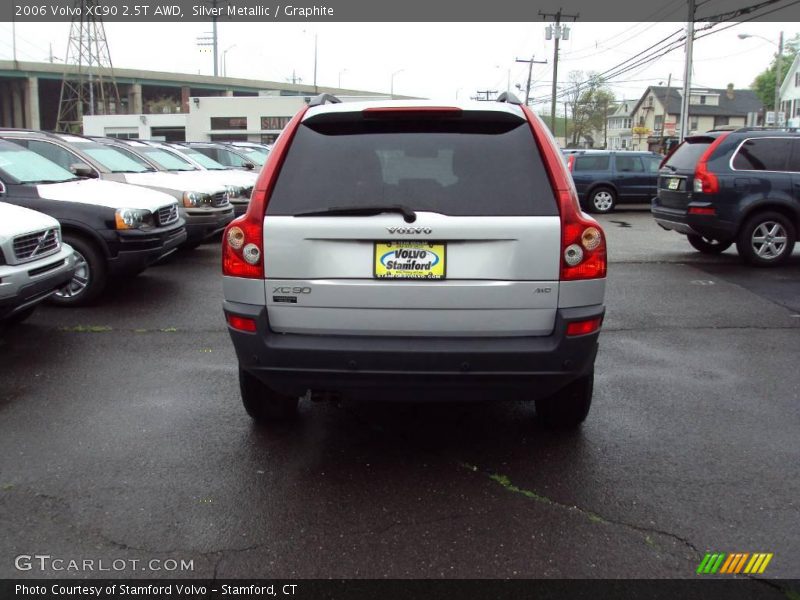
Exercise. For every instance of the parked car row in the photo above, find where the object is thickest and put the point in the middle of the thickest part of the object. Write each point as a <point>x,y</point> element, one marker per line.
<point>110,207</point>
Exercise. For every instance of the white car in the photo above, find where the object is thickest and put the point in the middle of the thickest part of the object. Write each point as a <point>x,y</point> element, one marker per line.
<point>34,262</point>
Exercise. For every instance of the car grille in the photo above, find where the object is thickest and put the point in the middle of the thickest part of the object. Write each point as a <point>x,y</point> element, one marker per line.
<point>167,214</point>
<point>34,245</point>
<point>219,199</point>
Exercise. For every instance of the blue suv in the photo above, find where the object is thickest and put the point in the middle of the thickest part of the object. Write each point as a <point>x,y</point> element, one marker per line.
<point>741,187</point>
<point>605,178</point>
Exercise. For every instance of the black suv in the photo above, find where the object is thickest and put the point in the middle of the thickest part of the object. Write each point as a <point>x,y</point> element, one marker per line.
<point>605,178</point>
<point>741,187</point>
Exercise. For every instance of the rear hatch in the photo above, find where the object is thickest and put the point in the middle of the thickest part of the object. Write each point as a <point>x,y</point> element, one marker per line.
<point>676,176</point>
<point>413,224</point>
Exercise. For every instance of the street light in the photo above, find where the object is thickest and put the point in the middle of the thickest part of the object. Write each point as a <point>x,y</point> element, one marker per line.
<point>391,86</point>
<point>778,67</point>
<point>225,61</point>
<point>340,77</point>
<point>315,61</point>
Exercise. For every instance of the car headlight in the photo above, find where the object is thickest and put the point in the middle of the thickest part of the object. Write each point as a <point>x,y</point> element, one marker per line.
<point>192,199</point>
<point>131,218</point>
<point>234,191</point>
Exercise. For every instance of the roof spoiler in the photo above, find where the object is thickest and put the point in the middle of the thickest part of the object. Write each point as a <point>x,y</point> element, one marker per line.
<point>324,99</point>
<point>509,98</point>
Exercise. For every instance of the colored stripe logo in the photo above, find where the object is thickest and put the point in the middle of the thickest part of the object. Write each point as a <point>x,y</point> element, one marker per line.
<point>734,563</point>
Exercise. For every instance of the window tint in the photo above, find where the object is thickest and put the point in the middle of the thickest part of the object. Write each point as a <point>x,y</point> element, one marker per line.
<point>629,164</point>
<point>53,152</point>
<point>794,160</point>
<point>591,163</point>
<point>688,153</point>
<point>167,160</point>
<point>765,154</point>
<point>478,164</point>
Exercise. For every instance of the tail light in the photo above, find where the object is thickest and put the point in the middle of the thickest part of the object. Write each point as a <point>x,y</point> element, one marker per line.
<point>243,241</point>
<point>583,244</point>
<point>705,181</point>
<point>584,327</point>
<point>571,163</point>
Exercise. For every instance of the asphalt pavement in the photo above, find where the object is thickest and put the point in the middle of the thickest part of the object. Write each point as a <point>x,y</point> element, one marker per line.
<point>122,436</point>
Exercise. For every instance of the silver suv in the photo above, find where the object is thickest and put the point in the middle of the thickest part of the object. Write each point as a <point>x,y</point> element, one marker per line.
<point>413,250</point>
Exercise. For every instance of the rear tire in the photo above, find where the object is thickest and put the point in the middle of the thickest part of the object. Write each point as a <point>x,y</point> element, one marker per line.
<point>602,200</point>
<point>263,404</point>
<point>90,278</point>
<point>568,408</point>
<point>766,239</point>
<point>707,245</point>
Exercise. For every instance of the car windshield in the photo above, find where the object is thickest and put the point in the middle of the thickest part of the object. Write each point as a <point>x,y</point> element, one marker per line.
<point>25,166</point>
<point>254,155</point>
<point>115,160</point>
<point>202,159</point>
<point>167,160</point>
<point>688,153</point>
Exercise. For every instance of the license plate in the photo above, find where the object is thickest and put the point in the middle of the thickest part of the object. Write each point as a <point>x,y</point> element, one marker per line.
<point>409,260</point>
<point>674,184</point>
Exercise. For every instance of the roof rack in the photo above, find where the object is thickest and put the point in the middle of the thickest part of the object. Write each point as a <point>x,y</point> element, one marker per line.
<point>509,98</point>
<point>324,99</point>
<point>760,128</point>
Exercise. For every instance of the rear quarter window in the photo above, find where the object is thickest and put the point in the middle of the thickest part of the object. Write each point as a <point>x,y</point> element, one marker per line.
<point>764,154</point>
<point>479,163</point>
<point>591,163</point>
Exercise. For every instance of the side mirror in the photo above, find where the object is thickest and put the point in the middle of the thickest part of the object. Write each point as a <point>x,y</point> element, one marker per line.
<point>83,170</point>
<point>249,166</point>
<point>2,188</point>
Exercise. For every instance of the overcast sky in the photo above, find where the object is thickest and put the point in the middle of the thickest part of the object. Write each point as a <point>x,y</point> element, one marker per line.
<point>435,60</point>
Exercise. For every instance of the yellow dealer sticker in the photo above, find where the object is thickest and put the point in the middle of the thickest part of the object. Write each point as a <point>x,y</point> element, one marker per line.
<point>410,260</point>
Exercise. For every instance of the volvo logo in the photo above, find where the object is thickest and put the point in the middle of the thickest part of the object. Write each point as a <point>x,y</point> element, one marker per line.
<point>409,230</point>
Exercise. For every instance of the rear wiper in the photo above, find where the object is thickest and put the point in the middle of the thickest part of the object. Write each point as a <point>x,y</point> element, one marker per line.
<point>671,168</point>
<point>409,216</point>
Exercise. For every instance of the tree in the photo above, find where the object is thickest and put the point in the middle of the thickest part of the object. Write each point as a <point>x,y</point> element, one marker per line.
<point>588,100</point>
<point>764,83</point>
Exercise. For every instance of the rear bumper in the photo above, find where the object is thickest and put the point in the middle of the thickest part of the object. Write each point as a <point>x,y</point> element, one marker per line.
<point>389,368</point>
<point>677,219</point>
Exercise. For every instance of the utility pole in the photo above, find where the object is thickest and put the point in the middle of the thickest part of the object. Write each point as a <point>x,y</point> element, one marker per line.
<point>687,73</point>
<point>605,124</point>
<point>530,62</point>
<point>485,94</point>
<point>214,33</point>
<point>556,31</point>
<point>666,114</point>
<point>778,79</point>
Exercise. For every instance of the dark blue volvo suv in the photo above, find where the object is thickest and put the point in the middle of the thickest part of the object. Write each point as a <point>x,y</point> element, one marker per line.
<point>734,187</point>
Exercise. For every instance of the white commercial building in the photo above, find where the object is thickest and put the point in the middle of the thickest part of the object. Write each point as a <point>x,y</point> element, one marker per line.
<point>232,118</point>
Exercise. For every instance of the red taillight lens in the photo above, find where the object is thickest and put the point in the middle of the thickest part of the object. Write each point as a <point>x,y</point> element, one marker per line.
<point>702,210</point>
<point>243,240</point>
<point>571,162</point>
<point>242,249</point>
<point>242,323</point>
<point>583,243</point>
<point>704,180</point>
<point>584,327</point>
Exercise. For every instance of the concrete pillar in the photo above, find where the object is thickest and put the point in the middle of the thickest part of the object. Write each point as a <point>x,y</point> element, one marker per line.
<point>185,94</point>
<point>5,100</point>
<point>135,99</point>
<point>16,98</point>
<point>32,103</point>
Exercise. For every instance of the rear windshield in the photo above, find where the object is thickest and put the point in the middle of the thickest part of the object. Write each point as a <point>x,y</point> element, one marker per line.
<point>591,163</point>
<point>478,163</point>
<point>688,153</point>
